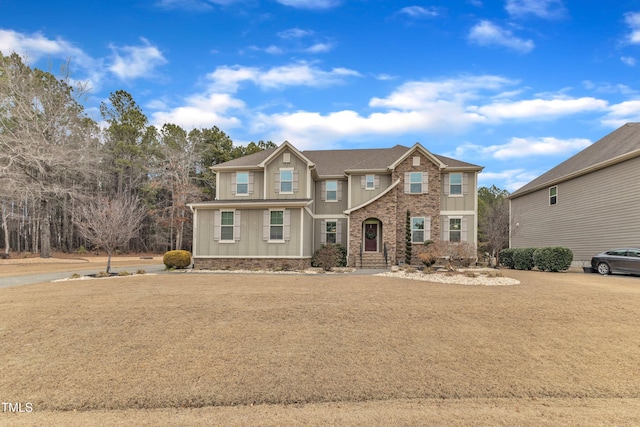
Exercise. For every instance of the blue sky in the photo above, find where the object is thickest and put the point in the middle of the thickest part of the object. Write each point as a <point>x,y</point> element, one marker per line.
<point>516,86</point>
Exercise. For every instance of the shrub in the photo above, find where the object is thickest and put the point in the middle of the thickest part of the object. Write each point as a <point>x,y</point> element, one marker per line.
<point>523,258</point>
<point>553,258</point>
<point>329,256</point>
<point>177,259</point>
<point>506,257</point>
<point>455,253</point>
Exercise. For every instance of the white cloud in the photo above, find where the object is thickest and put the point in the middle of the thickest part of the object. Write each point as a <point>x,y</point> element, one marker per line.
<point>310,4</point>
<point>319,48</point>
<point>131,62</point>
<point>487,33</point>
<point>294,33</point>
<point>539,108</point>
<point>632,19</point>
<point>418,12</point>
<point>202,111</point>
<point>547,9</point>
<point>624,112</point>
<point>526,147</point>
<point>228,79</point>
<point>628,60</point>
<point>513,178</point>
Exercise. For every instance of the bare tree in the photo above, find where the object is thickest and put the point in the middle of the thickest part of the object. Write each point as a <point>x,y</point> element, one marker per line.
<point>496,226</point>
<point>45,151</point>
<point>109,223</point>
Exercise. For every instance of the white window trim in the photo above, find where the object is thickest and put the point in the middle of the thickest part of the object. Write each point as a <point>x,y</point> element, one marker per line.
<point>424,222</point>
<point>276,225</point>
<point>237,183</point>
<point>461,184</point>
<point>222,241</point>
<point>411,183</point>
<point>280,183</point>
<point>326,192</point>
<point>373,182</point>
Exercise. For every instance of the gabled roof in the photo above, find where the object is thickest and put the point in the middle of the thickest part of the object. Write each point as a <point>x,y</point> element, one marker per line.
<point>333,163</point>
<point>621,144</point>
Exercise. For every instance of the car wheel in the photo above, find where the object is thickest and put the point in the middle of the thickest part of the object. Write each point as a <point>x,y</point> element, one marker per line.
<point>603,268</point>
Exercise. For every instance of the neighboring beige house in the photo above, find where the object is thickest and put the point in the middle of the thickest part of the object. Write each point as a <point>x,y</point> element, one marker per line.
<point>275,208</point>
<point>589,203</point>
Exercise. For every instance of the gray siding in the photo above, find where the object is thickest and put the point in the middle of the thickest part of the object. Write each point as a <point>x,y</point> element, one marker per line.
<point>360,195</point>
<point>224,185</point>
<point>466,202</point>
<point>298,165</point>
<point>342,238</point>
<point>251,241</point>
<point>323,207</point>
<point>594,212</point>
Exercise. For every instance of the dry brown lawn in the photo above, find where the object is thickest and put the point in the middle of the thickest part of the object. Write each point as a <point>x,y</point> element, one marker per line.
<point>228,349</point>
<point>23,266</point>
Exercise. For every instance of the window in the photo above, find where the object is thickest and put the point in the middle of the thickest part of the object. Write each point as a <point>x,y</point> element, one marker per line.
<point>226,225</point>
<point>286,181</point>
<point>370,182</point>
<point>553,195</point>
<point>455,229</point>
<point>455,183</point>
<point>332,191</point>
<point>415,178</point>
<point>242,182</point>
<point>276,225</point>
<point>331,231</point>
<point>417,230</point>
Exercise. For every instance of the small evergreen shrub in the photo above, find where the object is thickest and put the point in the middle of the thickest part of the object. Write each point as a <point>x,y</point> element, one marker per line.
<point>177,259</point>
<point>523,258</point>
<point>506,257</point>
<point>553,258</point>
<point>329,256</point>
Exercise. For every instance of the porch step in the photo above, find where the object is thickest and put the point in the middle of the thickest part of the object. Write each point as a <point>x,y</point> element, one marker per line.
<point>371,260</point>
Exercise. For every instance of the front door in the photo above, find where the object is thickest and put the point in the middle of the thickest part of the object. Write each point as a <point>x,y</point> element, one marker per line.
<point>371,237</point>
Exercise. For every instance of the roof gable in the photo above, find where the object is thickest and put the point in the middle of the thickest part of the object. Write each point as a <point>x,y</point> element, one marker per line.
<point>619,145</point>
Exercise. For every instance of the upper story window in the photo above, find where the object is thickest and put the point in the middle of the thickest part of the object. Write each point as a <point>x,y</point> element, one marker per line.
<point>242,183</point>
<point>332,191</point>
<point>455,183</point>
<point>286,180</point>
<point>415,178</point>
<point>370,182</point>
<point>553,195</point>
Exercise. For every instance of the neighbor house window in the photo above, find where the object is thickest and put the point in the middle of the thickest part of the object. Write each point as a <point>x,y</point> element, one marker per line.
<point>455,183</point>
<point>286,181</point>
<point>332,231</point>
<point>370,182</point>
<point>332,191</point>
<point>226,225</point>
<point>553,195</point>
<point>276,225</point>
<point>415,178</point>
<point>242,182</point>
<point>455,229</point>
<point>417,230</point>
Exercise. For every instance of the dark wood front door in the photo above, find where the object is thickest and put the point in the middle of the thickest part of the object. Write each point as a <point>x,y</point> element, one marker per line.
<point>371,237</point>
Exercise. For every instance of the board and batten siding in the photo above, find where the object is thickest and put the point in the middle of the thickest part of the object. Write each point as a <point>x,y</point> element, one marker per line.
<point>464,202</point>
<point>272,171</point>
<point>251,241</point>
<point>594,213</point>
<point>360,195</point>
<point>225,183</point>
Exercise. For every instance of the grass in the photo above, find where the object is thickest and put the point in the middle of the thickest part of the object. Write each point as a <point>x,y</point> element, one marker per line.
<point>349,350</point>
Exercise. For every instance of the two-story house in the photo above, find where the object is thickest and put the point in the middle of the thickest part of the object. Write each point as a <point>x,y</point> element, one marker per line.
<point>275,208</point>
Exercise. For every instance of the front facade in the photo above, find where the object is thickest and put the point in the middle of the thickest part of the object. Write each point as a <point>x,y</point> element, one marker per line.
<point>275,208</point>
<point>589,203</point>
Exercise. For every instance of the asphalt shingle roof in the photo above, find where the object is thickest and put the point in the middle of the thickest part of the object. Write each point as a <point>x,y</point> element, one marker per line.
<point>620,142</point>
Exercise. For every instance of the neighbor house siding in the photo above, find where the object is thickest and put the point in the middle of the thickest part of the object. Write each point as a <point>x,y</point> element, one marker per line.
<point>251,243</point>
<point>594,212</point>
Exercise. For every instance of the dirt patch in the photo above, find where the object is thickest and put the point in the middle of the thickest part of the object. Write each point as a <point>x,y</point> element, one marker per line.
<point>340,349</point>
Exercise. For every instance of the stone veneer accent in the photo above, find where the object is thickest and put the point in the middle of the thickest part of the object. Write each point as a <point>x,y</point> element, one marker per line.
<point>423,205</point>
<point>252,263</point>
<point>391,210</point>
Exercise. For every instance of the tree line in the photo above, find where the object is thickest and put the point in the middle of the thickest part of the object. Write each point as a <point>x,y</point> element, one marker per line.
<point>67,184</point>
<point>56,163</point>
